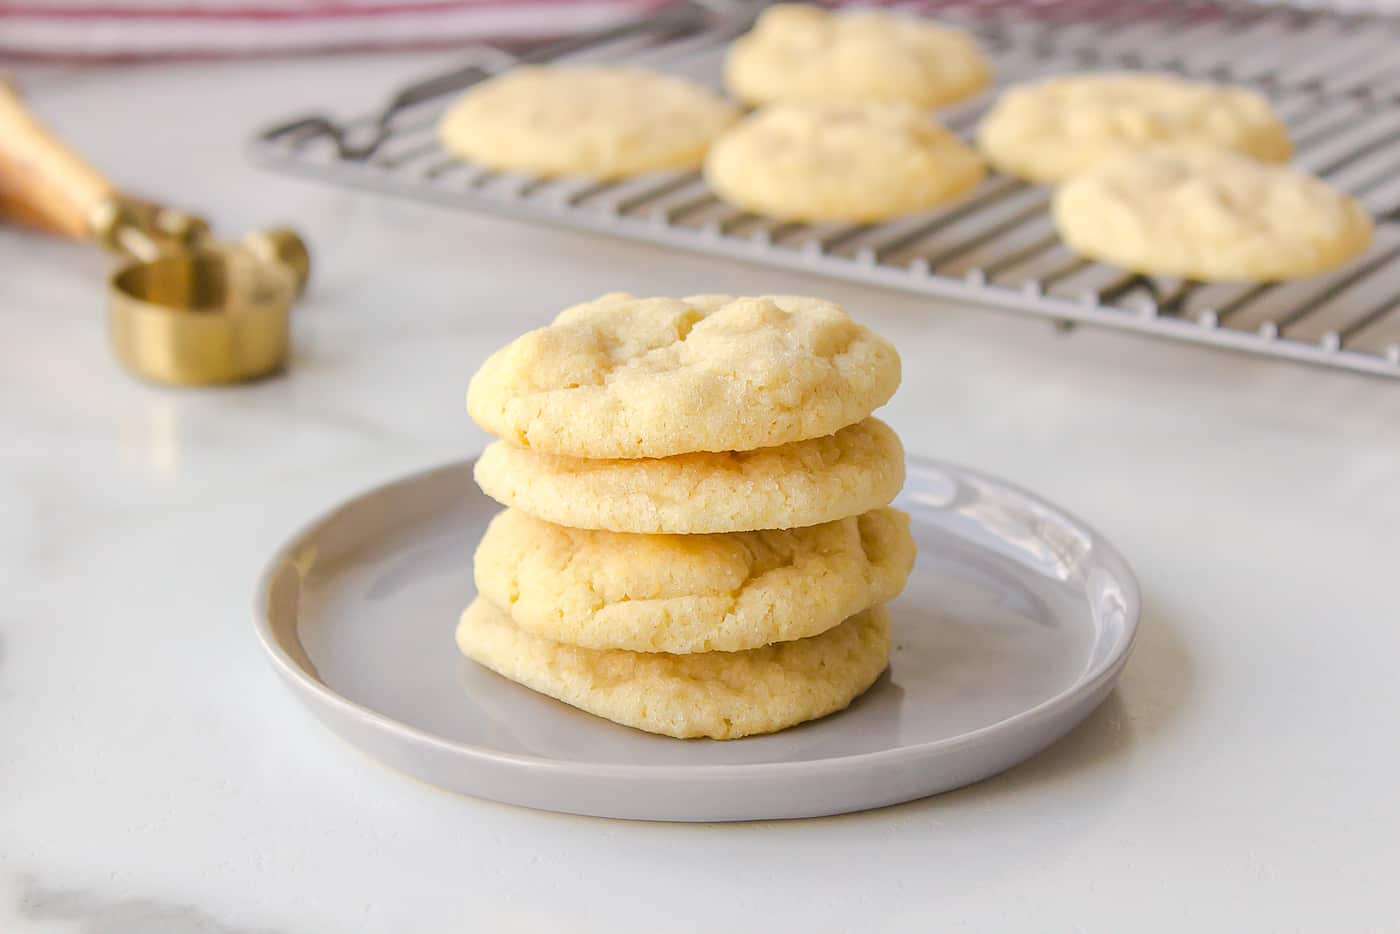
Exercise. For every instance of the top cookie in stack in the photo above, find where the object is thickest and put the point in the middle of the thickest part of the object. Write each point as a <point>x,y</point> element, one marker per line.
<point>698,543</point>
<point>628,377</point>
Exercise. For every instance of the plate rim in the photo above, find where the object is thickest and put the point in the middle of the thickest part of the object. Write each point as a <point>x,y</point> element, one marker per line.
<point>311,687</point>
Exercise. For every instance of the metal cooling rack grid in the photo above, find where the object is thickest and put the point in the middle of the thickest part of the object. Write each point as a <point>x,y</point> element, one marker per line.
<point>1335,78</point>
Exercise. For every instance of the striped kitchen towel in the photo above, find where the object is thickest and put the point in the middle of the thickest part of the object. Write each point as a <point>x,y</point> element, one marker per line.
<point>78,30</point>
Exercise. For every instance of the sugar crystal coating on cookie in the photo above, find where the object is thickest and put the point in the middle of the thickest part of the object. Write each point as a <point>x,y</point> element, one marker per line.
<point>797,52</point>
<point>840,162</point>
<point>600,121</point>
<point>859,468</point>
<point>721,695</point>
<point>626,377</point>
<point>721,592</point>
<point>1210,215</point>
<point>1051,130</point>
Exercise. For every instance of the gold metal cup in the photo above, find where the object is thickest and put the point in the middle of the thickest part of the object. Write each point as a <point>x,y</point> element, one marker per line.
<point>200,318</point>
<point>184,309</point>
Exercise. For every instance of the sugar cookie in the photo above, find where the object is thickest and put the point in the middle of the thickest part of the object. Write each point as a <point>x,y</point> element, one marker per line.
<point>859,468</point>
<point>803,53</point>
<point>600,121</point>
<point>723,592</point>
<point>1209,215</point>
<point>651,377</point>
<point>840,162</point>
<point>722,695</point>
<point>1051,130</point>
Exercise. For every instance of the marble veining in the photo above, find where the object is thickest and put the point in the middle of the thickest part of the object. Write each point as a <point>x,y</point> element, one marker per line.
<point>95,915</point>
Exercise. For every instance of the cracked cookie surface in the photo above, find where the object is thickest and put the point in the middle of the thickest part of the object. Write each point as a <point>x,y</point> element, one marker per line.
<point>680,594</point>
<point>859,468</point>
<point>797,52</point>
<point>721,695</point>
<point>840,162</point>
<point>1209,215</point>
<point>598,121</point>
<point>627,377</point>
<point>1051,130</point>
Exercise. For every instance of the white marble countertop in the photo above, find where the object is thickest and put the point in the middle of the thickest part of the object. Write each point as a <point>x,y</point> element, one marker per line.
<point>156,779</point>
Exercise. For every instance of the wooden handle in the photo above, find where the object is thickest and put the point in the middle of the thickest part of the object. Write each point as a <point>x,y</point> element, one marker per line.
<point>43,183</point>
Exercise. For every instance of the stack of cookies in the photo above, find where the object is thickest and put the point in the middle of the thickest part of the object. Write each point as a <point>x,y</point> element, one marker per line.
<point>698,540</point>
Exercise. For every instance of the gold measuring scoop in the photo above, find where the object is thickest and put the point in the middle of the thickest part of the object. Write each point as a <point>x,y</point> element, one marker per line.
<point>183,308</point>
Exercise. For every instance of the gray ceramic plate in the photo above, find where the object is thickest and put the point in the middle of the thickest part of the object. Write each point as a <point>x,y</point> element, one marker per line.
<point>1014,626</point>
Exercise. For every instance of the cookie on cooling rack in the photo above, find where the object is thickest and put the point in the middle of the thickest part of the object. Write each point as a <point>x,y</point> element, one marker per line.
<point>803,53</point>
<point>722,695</point>
<point>682,594</point>
<point>840,162</point>
<point>651,377</point>
<point>590,120</point>
<point>1209,215</point>
<point>1051,130</point>
<point>856,469</point>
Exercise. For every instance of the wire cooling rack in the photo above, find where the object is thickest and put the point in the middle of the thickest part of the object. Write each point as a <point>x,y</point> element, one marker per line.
<point>1334,77</point>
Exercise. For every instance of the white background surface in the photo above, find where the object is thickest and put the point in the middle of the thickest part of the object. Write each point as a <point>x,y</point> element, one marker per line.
<point>155,778</point>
